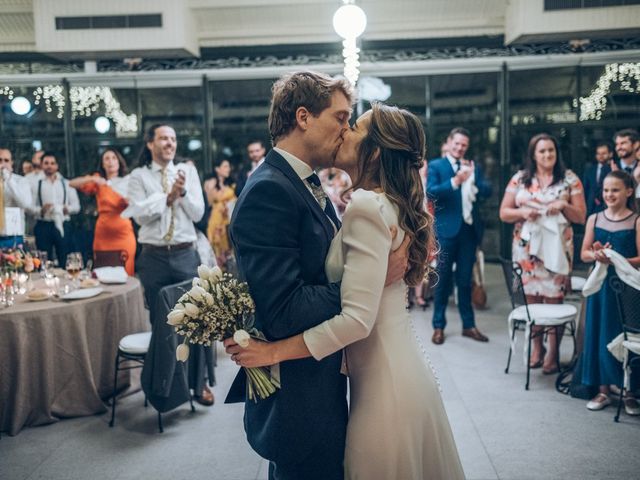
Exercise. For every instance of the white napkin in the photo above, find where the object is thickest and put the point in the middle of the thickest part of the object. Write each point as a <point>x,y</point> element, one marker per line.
<point>627,273</point>
<point>544,235</point>
<point>57,215</point>
<point>111,274</point>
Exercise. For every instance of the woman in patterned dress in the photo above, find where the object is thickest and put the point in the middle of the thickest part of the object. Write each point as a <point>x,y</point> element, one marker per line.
<point>543,187</point>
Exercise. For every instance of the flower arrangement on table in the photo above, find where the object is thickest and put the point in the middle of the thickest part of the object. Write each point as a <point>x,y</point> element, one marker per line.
<point>16,260</point>
<point>218,306</point>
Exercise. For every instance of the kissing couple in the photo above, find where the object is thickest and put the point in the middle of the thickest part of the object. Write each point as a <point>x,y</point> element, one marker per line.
<point>331,297</point>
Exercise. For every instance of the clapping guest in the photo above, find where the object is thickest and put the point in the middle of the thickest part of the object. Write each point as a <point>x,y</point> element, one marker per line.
<point>544,189</point>
<point>627,144</point>
<point>15,199</point>
<point>221,196</point>
<point>616,228</point>
<point>110,185</point>
<point>54,201</point>
<point>165,199</point>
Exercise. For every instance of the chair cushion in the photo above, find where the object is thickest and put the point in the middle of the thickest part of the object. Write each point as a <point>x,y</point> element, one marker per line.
<point>136,343</point>
<point>632,346</point>
<point>546,314</point>
<point>577,283</point>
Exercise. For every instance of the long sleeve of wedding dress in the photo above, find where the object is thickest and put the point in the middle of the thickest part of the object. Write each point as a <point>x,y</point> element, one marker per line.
<point>366,242</point>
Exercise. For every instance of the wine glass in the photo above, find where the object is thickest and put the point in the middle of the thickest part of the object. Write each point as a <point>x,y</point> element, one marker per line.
<point>73,266</point>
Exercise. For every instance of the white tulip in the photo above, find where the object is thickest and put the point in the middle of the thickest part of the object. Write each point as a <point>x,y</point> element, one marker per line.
<point>196,282</point>
<point>208,298</point>
<point>175,317</point>
<point>182,352</point>
<point>204,272</point>
<point>215,274</point>
<point>196,293</point>
<point>191,310</point>
<point>242,337</point>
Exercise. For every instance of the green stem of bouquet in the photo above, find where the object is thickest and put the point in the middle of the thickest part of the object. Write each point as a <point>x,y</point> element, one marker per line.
<point>259,383</point>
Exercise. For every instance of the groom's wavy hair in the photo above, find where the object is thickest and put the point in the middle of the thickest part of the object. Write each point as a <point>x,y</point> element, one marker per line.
<point>391,155</point>
<point>307,89</point>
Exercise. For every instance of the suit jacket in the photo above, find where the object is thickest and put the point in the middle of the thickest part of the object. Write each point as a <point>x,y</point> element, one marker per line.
<point>447,201</point>
<point>593,188</point>
<point>281,237</point>
<point>165,380</point>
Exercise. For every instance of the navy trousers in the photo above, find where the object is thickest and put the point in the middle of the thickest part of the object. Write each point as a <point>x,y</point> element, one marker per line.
<point>158,269</point>
<point>460,250</point>
<point>48,238</point>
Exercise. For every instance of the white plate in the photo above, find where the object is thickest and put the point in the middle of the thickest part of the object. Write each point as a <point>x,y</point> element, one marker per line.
<point>82,293</point>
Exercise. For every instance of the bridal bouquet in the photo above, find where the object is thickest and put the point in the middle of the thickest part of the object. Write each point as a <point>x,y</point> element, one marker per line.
<point>218,306</point>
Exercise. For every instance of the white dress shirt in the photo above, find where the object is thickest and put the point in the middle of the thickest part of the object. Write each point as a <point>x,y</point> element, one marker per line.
<point>303,170</point>
<point>148,204</point>
<point>52,190</point>
<point>468,192</point>
<point>17,195</point>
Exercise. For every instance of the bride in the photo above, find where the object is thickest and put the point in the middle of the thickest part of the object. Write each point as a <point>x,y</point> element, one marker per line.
<point>398,428</point>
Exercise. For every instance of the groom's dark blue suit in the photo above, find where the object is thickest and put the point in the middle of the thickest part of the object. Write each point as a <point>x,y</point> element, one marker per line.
<point>281,237</point>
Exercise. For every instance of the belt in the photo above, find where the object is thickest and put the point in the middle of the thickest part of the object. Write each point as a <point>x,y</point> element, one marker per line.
<point>167,248</point>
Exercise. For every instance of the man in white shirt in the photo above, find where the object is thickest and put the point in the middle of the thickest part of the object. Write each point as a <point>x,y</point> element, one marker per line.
<point>256,152</point>
<point>53,203</point>
<point>16,198</point>
<point>165,199</point>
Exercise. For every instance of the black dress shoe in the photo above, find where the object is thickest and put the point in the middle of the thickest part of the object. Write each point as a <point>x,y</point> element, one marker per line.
<point>438,336</point>
<point>475,334</point>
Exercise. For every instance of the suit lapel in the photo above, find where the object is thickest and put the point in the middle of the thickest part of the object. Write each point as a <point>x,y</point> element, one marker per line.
<point>277,161</point>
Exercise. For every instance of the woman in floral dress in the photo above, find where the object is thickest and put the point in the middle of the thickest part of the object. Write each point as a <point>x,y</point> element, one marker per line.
<point>543,187</point>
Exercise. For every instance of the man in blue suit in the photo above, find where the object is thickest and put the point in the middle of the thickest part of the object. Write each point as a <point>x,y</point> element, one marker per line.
<point>594,176</point>
<point>281,229</point>
<point>455,185</point>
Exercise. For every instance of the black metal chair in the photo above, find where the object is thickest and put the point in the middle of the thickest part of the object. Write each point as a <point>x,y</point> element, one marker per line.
<point>132,351</point>
<point>524,316</point>
<point>628,300</point>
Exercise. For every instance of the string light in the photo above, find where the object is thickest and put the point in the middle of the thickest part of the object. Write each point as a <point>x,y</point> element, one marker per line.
<point>626,74</point>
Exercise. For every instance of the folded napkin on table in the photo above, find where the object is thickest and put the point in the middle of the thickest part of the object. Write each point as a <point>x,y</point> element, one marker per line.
<point>111,274</point>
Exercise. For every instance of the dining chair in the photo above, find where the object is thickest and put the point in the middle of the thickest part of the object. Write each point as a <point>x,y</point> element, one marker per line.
<point>524,316</point>
<point>627,299</point>
<point>110,258</point>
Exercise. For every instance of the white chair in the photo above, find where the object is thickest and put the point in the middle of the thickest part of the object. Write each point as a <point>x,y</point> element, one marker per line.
<point>525,316</point>
<point>132,350</point>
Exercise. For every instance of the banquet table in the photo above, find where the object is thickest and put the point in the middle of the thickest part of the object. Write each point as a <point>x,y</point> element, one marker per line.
<point>57,357</point>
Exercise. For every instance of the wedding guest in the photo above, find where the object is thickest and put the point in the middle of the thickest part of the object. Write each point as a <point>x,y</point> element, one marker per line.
<point>221,196</point>
<point>54,203</point>
<point>27,167</point>
<point>594,176</point>
<point>543,188</point>
<point>110,186</point>
<point>617,228</point>
<point>14,200</point>
<point>455,185</point>
<point>627,144</point>
<point>256,152</point>
<point>36,161</point>
<point>165,199</point>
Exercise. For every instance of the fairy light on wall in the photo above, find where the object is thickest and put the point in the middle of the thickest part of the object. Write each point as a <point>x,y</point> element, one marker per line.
<point>349,22</point>
<point>51,95</point>
<point>626,74</point>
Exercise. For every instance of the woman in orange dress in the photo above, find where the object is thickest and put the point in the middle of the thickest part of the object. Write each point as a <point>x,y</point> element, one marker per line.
<point>109,186</point>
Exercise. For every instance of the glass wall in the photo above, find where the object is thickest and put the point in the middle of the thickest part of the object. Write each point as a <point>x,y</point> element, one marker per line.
<point>217,119</point>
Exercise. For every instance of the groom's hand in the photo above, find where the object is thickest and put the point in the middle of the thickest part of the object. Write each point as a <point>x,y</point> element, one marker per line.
<point>398,260</point>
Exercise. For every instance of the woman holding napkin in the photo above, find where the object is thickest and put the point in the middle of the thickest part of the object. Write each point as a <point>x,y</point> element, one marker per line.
<point>616,228</point>
<point>543,200</point>
<point>109,185</point>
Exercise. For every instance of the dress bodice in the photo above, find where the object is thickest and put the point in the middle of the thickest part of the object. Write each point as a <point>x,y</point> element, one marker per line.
<point>621,234</point>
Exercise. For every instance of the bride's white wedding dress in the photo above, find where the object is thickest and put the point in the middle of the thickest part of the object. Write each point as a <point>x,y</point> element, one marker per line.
<point>398,428</point>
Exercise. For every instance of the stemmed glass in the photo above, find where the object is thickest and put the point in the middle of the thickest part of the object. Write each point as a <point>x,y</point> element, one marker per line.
<point>74,266</point>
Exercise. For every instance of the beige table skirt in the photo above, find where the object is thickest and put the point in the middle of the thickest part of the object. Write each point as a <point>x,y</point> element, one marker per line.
<point>57,358</point>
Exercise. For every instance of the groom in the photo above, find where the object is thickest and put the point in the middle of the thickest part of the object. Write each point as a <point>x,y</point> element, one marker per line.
<point>281,236</point>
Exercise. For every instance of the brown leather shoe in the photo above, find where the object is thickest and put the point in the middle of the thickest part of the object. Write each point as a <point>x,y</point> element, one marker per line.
<point>475,334</point>
<point>438,336</point>
<point>206,398</point>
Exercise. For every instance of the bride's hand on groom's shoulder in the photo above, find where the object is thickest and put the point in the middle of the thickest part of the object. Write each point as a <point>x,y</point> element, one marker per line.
<point>398,259</point>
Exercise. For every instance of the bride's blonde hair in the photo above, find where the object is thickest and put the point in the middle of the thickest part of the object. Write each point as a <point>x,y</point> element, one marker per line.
<point>391,155</point>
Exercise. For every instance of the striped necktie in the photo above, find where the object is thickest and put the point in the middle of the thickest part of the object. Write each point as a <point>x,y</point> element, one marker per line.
<point>323,201</point>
